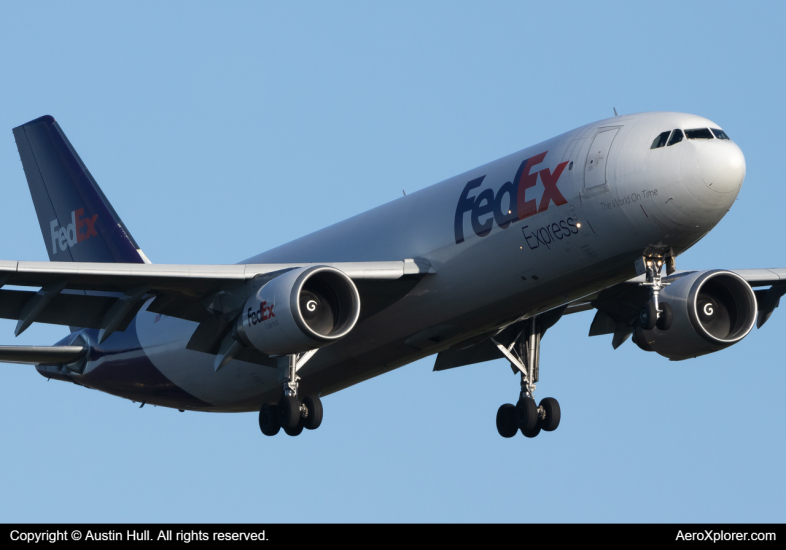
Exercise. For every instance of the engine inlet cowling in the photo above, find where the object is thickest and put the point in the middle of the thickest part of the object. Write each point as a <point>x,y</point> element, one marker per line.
<point>300,310</point>
<point>712,311</point>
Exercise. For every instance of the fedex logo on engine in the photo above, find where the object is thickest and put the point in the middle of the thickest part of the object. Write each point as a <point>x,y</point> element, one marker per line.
<point>516,207</point>
<point>264,313</point>
<point>80,229</point>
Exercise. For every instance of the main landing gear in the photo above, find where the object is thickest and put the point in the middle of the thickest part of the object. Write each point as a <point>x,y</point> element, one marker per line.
<point>291,414</point>
<point>655,313</point>
<point>524,356</point>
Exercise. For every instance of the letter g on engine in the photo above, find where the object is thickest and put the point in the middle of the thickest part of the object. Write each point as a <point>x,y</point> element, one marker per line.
<point>303,309</point>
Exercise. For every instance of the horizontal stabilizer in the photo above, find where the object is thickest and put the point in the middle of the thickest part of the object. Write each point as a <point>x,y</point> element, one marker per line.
<point>41,355</point>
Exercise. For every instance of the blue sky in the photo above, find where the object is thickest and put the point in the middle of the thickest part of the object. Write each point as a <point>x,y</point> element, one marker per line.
<point>220,130</point>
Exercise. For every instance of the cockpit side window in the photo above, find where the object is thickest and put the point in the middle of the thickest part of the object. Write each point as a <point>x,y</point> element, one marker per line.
<point>720,134</point>
<point>676,137</point>
<point>661,140</point>
<point>698,133</point>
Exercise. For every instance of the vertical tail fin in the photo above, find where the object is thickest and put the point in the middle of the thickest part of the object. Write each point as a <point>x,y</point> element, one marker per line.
<point>77,221</point>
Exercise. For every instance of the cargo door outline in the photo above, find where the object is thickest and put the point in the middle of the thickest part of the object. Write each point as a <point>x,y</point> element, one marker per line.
<point>595,179</point>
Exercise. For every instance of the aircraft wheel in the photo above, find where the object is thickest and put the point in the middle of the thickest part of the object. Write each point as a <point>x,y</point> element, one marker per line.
<point>533,432</point>
<point>268,420</point>
<point>314,407</point>
<point>551,406</point>
<point>297,430</point>
<point>666,316</point>
<point>506,420</point>
<point>648,316</point>
<point>288,412</point>
<point>526,414</point>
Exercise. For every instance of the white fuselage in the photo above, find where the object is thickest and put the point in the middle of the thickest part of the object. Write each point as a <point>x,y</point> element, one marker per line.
<point>579,229</point>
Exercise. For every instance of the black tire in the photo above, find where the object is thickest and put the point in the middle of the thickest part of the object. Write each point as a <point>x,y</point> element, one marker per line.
<point>640,340</point>
<point>506,420</point>
<point>297,430</point>
<point>288,412</point>
<point>648,316</point>
<point>666,316</point>
<point>526,414</point>
<point>314,407</point>
<point>533,432</point>
<point>553,415</point>
<point>268,419</point>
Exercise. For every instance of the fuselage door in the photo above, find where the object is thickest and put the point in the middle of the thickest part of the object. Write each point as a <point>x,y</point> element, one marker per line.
<point>595,168</point>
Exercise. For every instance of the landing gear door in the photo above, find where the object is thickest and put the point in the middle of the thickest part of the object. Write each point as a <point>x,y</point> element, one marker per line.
<point>595,167</point>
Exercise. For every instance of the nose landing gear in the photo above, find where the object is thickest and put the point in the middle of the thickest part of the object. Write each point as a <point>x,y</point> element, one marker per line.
<point>655,313</point>
<point>291,414</point>
<point>526,416</point>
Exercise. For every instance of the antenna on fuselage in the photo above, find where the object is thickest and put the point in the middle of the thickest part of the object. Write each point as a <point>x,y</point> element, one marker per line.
<point>615,111</point>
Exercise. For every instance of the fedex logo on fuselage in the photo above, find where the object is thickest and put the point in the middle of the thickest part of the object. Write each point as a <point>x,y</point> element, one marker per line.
<point>80,229</point>
<point>518,206</point>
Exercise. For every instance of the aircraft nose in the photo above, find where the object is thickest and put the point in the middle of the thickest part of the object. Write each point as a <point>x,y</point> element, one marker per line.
<point>721,166</point>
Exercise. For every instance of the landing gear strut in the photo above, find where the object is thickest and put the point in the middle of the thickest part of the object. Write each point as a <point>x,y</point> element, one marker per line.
<point>290,413</point>
<point>526,416</point>
<point>655,313</point>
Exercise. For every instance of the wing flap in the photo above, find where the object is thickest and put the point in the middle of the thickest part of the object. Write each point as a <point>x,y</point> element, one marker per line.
<point>75,310</point>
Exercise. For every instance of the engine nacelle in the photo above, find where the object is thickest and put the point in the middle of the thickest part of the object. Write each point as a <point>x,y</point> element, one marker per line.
<point>300,310</point>
<point>712,311</point>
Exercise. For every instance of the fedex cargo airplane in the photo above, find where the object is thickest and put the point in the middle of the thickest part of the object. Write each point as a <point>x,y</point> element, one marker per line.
<point>471,269</point>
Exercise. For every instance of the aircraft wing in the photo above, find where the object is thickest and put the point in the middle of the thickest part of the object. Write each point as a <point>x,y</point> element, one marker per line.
<point>187,280</point>
<point>755,277</point>
<point>617,307</point>
<point>619,304</point>
<point>762,277</point>
<point>108,295</point>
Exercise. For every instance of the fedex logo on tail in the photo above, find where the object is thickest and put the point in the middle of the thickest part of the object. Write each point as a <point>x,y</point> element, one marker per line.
<point>487,208</point>
<point>80,229</point>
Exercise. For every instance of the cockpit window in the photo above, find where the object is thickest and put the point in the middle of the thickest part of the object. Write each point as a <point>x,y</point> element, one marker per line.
<point>661,140</point>
<point>720,134</point>
<point>676,137</point>
<point>698,133</point>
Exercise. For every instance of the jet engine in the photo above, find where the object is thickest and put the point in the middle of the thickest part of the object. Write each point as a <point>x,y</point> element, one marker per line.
<point>711,311</point>
<point>300,310</point>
